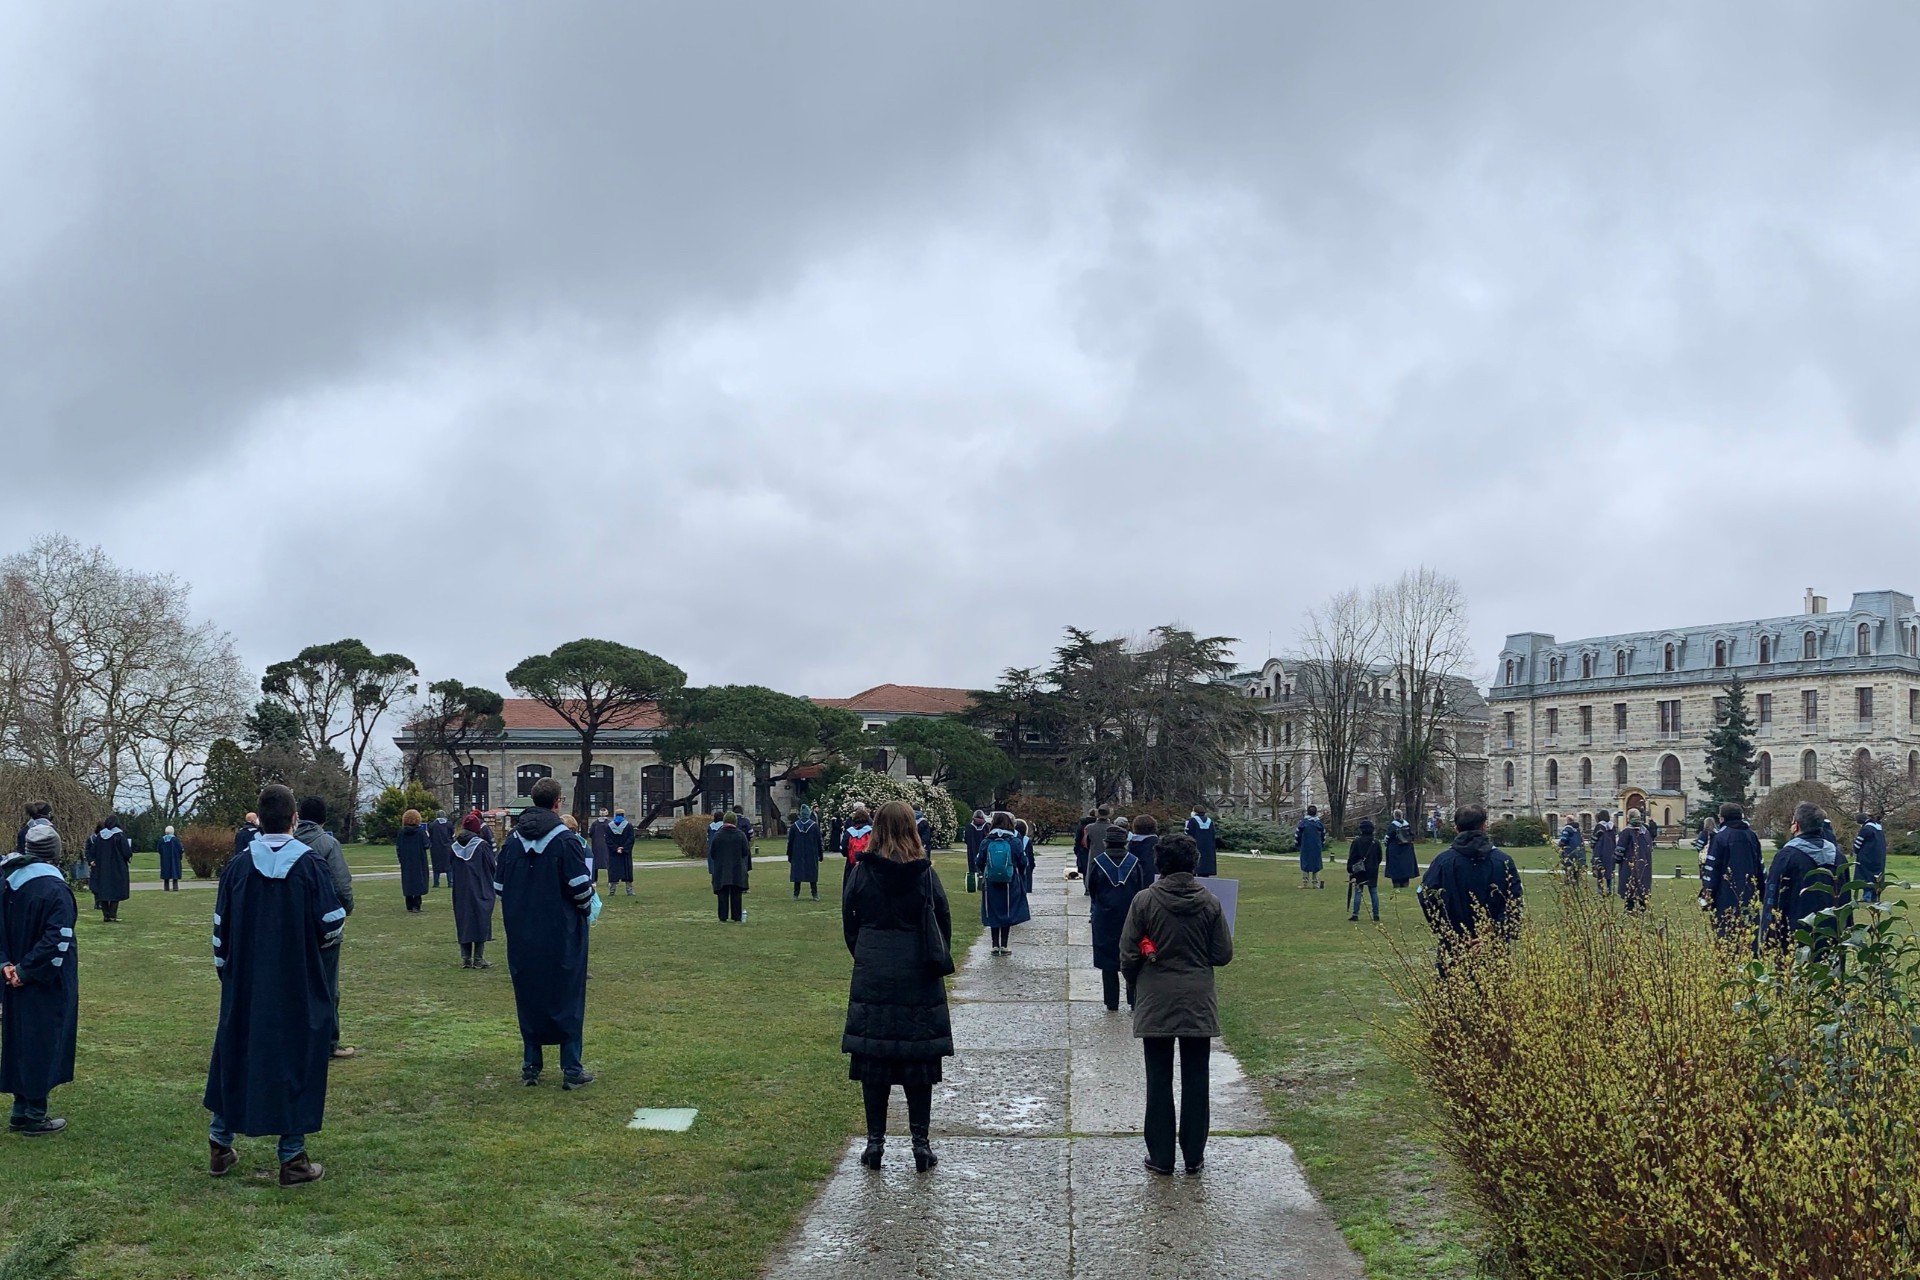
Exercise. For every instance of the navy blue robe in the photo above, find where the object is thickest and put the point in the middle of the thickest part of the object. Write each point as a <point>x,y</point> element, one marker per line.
<point>471,879</point>
<point>620,852</point>
<point>440,842</point>
<point>546,892</point>
<point>410,846</point>
<point>170,856</point>
<point>1402,863</point>
<point>275,913</point>
<point>39,1020</point>
<point>107,859</point>
<point>1311,835</point>
<point>1113,878</point>
<point>1205,838</point>
<point>804,849</point>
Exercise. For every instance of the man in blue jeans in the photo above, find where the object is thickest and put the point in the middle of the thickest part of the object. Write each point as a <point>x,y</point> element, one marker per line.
<point>546,902</point>
<point>275,914</point>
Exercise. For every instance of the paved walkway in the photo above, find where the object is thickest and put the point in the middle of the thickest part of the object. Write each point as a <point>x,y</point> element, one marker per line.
<point>1037,1127</point>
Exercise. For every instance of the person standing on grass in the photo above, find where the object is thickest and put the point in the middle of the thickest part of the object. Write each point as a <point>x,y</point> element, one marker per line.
<point>410,847</point>
<point>732,860</point>
<point>439,846</point>
<point>1808,875</point>
<point>1605,846</point>
<point>546,903</point>
<point>1471,886</point>
<point>857,835</point>
<point>1174,937</point>
<point>110,873</point>
<point>973,833</point>
<point>1573,850</point>
<point>1002,873</point>
<point>1732,878</point>
<point>311,830</point>
<point>1403,867</point>
<point>1633,856</point>
<point>898,1028</point>
<point>1115,876</point>
<point>597,840</point>
<point>1200,830</point>
<point>40,967</point>
<point>243,838</point>
<point>471,880</point>
<point>1363,871</point>
<point>1311,837</point>
<point>804,849</point>
<point>925,830</point>
<point>275,914</point>
<point>620,834</point>
<point>1870,855</point>
<point>171,855</point>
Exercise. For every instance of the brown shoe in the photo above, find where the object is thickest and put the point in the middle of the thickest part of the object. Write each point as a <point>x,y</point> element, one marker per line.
<point>220,1159</point>
<point>299,1171</point>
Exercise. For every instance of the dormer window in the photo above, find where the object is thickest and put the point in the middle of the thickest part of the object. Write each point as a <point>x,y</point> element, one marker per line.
<point>1620,663</point>
<point>1669,659</point>
<point>1553,669</point>
<point>1863,641</point>
<point>1809,646</point>
<point>1719,653</point>
<point>1766,649</point>
<point>1586,666</point>
<point>1509,670</point>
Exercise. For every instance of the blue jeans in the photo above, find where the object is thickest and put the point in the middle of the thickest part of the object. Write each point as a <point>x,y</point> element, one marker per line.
<point>291,1144</point>
<point>532,1060</point>
<point>1353,898</point>
<point>28,1110</point>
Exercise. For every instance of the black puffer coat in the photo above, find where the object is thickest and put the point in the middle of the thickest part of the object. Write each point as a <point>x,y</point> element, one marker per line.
<point>897,1007</point>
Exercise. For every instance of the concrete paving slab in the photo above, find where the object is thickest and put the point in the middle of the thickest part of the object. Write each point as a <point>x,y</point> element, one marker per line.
<point>997,1093</point>
<point>1108,1076</point>
<point>1083,984</point>
<point>994,979</point>
<point>1040,1025</point>
<point>976,1215</point>
<point>1249,1216</point>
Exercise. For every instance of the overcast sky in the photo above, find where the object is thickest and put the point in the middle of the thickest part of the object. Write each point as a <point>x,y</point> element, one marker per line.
<point>821,345</point>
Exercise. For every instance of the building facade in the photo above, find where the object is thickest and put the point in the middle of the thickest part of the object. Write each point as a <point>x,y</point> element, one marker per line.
<point>1275,774</point>
<point>1618,722</point>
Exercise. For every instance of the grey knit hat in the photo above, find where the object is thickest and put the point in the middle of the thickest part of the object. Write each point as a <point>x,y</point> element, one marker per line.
<point>43,841</point>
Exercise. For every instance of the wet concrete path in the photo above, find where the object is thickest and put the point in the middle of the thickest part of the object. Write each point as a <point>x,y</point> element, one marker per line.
<point>1037,1126</point>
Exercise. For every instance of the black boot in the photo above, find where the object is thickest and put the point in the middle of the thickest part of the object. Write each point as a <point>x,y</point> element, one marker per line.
<point>875,1147</point>
<point>923,1157</point>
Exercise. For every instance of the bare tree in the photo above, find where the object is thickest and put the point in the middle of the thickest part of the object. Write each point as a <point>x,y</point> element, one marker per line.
<point>1876,786</point>
<point>1422,621</point>
<point>1340,647</point>
<point>196,695</point>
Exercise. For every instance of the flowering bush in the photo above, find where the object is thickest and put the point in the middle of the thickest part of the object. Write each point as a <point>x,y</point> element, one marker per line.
<point>875,789</point>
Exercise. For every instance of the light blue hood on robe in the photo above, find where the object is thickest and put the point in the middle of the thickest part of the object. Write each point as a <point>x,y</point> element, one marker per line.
<point>274,860</point>
<point>32,871</point>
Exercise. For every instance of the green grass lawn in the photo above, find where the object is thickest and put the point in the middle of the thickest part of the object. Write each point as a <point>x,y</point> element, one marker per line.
<point>438,1162</point>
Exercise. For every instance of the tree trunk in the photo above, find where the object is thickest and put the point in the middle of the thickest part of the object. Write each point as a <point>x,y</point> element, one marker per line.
<point>581,780</point>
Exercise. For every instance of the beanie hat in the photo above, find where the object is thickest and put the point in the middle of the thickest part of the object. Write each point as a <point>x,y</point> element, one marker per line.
<point>1117,836</point>
<point>42,840</point>
<point>471,823</point>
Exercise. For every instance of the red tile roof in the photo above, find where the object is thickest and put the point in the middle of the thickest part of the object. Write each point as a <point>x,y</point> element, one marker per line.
<point>525,713</point>
<point>905,700</point>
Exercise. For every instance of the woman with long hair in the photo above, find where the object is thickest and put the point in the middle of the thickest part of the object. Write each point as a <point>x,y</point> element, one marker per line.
<point>410,847</point>
<point>898,1028</point>
<point>1001,868</point>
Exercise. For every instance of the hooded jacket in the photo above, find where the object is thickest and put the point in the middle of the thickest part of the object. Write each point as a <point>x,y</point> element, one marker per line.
<point>1364,856</point>
<point>321,841</point>
<point>1870,851</point>
<point>1173,990</point>
<point>896,1003</point>
<point>1633,851</point>
<point>1807,875</point>
<point>1468,883</point>
<point>1732,877</point>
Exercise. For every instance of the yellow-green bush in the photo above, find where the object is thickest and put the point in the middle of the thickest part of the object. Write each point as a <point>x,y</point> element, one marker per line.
<point>1627,1097</point>
<point>690,833</point>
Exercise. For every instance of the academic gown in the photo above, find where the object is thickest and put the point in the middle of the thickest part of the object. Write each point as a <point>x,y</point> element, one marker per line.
<point>1402,863</point>
<point>273,916</point>
<point>107,874</point>
<point>546,893</point>
<point>1114,878</point>
<point>1206,840</point>
<point>1004,905</point>
<point>410,846</point>
<point>440,844</point>
<point>170,856</point>
<point>620,852</point>
<point>471,879</point>
<point>39,1020</point>
<point>1311,835</point>
<point>804,849</point>
<point>597,833</point>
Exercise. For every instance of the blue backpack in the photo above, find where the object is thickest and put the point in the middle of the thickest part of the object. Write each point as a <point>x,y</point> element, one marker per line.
<point>999,859</point>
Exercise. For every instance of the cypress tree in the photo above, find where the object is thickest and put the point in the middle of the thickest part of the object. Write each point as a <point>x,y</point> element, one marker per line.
<point>1730,759</point>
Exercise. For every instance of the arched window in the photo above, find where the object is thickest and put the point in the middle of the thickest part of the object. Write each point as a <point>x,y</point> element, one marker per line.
<point>1809,766</point>
<point>716,785</point>
<point>1619,771</point>
<point>1586,772</point>
<point>1669,773</point>
<point>1863,641</point>
<point>1586,666</point>
<point>1913,642</point>
<point>1766,649</point>
<point>527,774</point>
<point>1668,659</point>
<point>1763,772</point>
<point>1553,777</point>
<point>1913,768</point>
<point>1620,663</point>
<point>1809,646</point>
<point>1719,653</point>
<point>1553,668</point>
<point>1509,670</point>
<point>1509,775</point>
<point>1862,761</point>
<point>1361,779</point>
<point>656,788</point>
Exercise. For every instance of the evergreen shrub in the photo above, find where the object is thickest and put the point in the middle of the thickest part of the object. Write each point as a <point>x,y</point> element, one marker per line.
<point>1518,833</point>
<point>1243,835</point>
<point>690,833</point>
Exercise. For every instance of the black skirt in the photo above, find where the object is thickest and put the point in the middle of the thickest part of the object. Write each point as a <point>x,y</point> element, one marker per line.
<point>891,1071</point>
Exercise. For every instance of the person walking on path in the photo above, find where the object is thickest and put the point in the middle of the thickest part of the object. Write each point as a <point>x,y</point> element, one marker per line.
<point>1363,871</point>
<point>171,855</point>
<point>1605,852</point>
<point>440,846</point>
<point>597,832</point>
<point>1870,856</point>
<point>1025,832</point>
<point>973,833</point>
<point>1114,878</point>
<point>410,847</point>
<point>1403,867</point>
<point>40,968</point>
<point>1808,875</point>
<point>1200,830</point>
<point>274,915</point>
<point>1144,839</point>
<point>546,903</point>
<point>1733,878</point>
<point>1081,854</point>
<point>471,880</point>
<point>1572,844</point>
<point>1174,937</point>
<point>732,859</point>
<point>109,874</point>
<point>620,837</point>
<point>1633,857</point>
<point>898,1028</point>
<point>1311,837</point>
<point>1471,886</point>
<point>804,850</point>
<point>1002,873</point>
<point>1096,840</point>
<point>311,830</point>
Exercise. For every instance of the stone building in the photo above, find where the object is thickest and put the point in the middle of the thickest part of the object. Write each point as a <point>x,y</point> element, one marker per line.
<point>1275,775</point>
<point>1618,722</point>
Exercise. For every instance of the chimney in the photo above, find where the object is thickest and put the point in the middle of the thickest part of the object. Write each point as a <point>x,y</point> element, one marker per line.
<point>1814,603</point>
